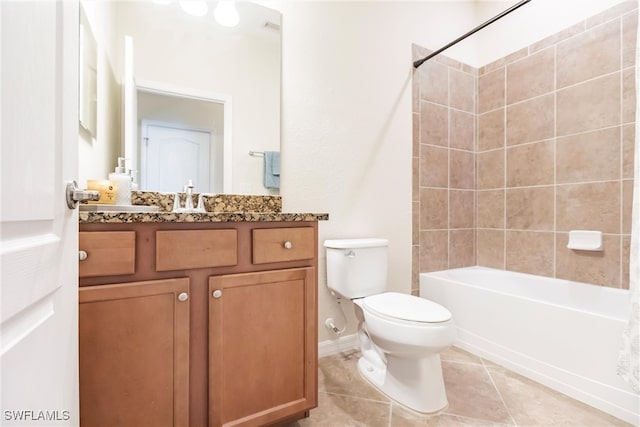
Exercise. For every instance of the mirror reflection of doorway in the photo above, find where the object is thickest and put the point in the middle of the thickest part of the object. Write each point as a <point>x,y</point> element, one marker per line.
<point>172,155</point>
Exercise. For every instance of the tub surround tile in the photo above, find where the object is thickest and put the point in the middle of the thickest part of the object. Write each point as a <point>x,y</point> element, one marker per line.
<point>629,33</point>
<point>628,150</point>
<point>530,77</point>
<point>611,13</point>
<point>461,248</point>
<point>530,164</point>
<point>461,130</point>
<point>599,268</point>
<point>491,211</point>
<point>434,128</point>
<point>530,252</point>
<point>434,250</point>
<point>434,166</point>
<point>491,169</point>
<point>462,165</point>
<point>462,89</point>
<point>415,123</point>
<point>491,90</point>
<point>415,179</point>
<point>434,209</point>
<point>628,95</point>
<point>434,82</point>
<point>491,130</point>
<point>591,156</point>
<point>627,202</point>
<point>591,54</point>
<point>557,37</point>
<point>626,254</point>
<point>531,120</point>
<point>461,209</point>
<point>578,110</point>
<point>530,208</point>
<point>490,244</point>
<point>592,206</point>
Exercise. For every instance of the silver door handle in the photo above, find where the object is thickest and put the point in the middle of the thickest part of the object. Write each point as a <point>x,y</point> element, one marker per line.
<point>75,195</point>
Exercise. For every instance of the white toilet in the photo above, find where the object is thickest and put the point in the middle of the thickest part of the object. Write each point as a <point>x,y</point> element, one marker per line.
<point>401,336</point>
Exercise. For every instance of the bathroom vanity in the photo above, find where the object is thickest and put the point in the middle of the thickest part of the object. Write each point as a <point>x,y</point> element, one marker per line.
<point>197,319</point>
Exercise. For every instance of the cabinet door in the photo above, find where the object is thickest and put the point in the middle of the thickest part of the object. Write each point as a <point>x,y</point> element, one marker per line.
<point>263,346</point>
<point>134,354</point>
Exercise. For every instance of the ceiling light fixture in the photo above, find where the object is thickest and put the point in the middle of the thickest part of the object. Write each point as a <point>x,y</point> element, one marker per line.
<point>226,14</point>
<point>194,7</point>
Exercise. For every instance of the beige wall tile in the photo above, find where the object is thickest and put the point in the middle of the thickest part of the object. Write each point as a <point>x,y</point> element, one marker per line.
<point>490,169</point>
<point>530,208</point>
<point>490,248</point>
<point>592,105</point>
<point>462,91</point>
<point>628,95</point>
<point>626,253</point>
<point>434,166</point>
<point>491,130</point>
<point>530,252</point>
<point>592,206</point>
<point>592,156</point>
<point>462,166</point>
<point>434,82</point>
<point>461,130</point>
<point>627,203</point>
<point>415,123</point>
<point>590,54</point>
<point>598,268</point>
<point>628,149</point>
<point>530,77</point>
<point>434,124</point>
<point>558,37</point>
<point>612,13</point>
<point>531,120</point>
<point>415,267</point>
<point>415,179</point>
<point>415,225</point>
<point>434,250</point>
<point>629,31</point>
<point>461,211</point>
<point>491,209</point>
<point>530,164</point>
<point>461,248</point>
<point>434,209</point>
<point>491,91</point>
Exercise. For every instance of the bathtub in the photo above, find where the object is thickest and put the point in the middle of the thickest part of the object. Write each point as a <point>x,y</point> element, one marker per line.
<point>563,334</point>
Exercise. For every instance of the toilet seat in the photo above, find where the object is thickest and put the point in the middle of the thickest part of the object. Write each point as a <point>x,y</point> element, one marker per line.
<point>406,307</point>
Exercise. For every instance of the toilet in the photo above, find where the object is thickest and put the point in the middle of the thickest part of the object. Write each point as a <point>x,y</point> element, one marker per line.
<point>401,336</point>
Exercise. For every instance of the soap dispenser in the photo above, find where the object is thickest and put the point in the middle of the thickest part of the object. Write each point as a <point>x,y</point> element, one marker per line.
<point>122,180</point>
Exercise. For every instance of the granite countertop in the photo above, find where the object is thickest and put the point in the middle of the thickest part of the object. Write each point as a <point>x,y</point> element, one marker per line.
<point>219,208</point>
<point>139,217</point>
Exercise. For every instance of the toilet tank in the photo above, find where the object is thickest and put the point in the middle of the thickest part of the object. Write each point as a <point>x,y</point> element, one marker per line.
<point>357,267</point>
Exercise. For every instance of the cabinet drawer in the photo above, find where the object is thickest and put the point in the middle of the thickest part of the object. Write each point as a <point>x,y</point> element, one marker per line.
<point>283,244</point>
<point>185,249</point>
<point>109,253</point>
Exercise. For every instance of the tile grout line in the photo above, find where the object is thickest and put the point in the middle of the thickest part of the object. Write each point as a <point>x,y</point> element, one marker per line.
<point>499,394</point>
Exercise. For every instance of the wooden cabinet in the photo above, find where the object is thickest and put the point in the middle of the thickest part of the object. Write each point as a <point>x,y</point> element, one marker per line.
<point>262,346</point>
<point>240,351</point>
<point>134,354</point>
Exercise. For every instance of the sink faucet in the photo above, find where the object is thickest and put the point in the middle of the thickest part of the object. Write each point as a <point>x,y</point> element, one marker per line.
<point>188,204</point>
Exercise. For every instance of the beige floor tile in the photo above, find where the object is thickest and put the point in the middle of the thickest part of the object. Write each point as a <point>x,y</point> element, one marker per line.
<point>339,374</point>
<point>471,393</point>
<point>532,404</point>
<point>455,354</point>
<point>402,417</point>
<point>336,410</point>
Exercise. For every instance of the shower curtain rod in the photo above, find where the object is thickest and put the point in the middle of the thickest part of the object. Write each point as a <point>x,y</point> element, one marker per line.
<point>419,62</point>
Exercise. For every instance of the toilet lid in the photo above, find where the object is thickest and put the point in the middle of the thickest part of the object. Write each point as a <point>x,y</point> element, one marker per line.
<point>407,307</point>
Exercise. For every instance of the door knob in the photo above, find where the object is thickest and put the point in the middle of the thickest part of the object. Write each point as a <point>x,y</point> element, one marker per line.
<point>75,195</point>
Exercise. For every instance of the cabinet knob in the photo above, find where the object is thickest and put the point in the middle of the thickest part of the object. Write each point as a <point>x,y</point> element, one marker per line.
<point>82,255</point>
<point>183,296</point>
<point>217,293</point>
<point>287,245</point>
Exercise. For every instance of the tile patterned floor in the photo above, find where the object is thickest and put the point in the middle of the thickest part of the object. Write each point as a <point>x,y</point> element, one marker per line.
<point>480,393</point>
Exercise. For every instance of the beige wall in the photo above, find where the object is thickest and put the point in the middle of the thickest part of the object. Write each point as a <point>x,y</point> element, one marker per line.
<point>555,124</point>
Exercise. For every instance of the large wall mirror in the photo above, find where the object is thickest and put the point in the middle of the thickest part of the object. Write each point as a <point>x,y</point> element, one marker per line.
<point>198,100</point>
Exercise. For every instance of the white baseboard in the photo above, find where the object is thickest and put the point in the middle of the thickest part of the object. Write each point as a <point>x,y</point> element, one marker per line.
<point>345,343</point>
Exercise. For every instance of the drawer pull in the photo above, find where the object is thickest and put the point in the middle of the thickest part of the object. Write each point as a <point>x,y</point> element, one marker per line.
<point>183,296</point>
<point>217,293</point>
<point>288,245</point>
<point>82,255</point>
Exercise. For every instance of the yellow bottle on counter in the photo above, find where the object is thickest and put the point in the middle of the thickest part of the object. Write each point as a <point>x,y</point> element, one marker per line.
<point>107,189</point>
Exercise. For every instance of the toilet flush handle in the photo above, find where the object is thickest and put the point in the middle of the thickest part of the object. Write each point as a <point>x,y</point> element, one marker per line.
<point>350,254</point>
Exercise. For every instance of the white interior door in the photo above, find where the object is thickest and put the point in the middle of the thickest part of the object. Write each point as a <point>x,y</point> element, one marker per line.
<point>130,95</point>
<point>171,156</point>
<point>38,239</point>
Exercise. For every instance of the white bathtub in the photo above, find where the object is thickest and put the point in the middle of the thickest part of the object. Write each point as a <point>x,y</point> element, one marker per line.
<point>563,334</point>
